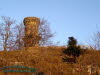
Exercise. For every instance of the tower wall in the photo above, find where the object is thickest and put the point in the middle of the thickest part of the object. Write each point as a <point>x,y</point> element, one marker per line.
<point>31,38</point>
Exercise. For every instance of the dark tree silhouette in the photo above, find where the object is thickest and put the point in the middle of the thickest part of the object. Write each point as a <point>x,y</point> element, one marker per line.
<point>72,41</point>
<point>72,50</point>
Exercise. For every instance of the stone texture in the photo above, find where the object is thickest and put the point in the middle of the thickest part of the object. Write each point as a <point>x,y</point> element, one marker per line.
<point>31,38</point>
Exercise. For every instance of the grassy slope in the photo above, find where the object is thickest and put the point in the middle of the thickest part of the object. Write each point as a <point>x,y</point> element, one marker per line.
<point>47,60</point>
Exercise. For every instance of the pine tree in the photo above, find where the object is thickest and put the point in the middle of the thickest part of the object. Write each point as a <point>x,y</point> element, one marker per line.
<point>72,49</point>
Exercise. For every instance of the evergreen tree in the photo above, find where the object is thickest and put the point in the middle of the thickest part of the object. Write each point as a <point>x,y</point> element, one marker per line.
<point>72,49</point>
<point>72,41</point>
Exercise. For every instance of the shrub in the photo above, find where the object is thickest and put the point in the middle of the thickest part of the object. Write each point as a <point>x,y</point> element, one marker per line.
<point>72,49</point>
<point>69,60</point>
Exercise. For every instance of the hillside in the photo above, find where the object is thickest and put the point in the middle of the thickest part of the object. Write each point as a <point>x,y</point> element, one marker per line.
<point>49,60</point>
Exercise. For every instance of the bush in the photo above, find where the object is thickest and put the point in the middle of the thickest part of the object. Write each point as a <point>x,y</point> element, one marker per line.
<point>69,60</point>
<point>72,49</point>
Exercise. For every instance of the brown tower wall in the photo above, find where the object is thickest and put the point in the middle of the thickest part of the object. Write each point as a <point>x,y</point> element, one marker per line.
<point>31,38</point>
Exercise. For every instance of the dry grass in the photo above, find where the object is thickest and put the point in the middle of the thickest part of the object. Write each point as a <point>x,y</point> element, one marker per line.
<point>46,59</point>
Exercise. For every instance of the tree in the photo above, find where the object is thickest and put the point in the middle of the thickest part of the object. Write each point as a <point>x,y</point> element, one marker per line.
<point>45,33</point>
<point>5,31</point>
<point>19,35</point>
<point>12,34</point>
<point>72,49</point>
<point>96,41</point>
<point>72,41</point>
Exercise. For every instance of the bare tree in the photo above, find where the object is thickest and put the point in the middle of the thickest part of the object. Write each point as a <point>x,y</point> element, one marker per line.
<point>96,40</point>
<point>45,33</point>
<point>5,31</point>
<point>19,35</point>
<point>12,34</point>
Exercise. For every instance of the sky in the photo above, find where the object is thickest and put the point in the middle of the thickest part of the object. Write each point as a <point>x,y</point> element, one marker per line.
<point>77,18</point>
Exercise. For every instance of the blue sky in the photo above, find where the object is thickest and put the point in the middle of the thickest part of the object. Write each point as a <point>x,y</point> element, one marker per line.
<point>67,18</point>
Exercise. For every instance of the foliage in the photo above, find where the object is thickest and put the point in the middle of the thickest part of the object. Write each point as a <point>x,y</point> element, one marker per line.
<point>72,49</point>
<point>72,41</point>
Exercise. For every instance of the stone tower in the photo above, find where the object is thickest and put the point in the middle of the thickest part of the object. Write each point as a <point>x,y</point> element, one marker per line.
<point>31,38</point>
